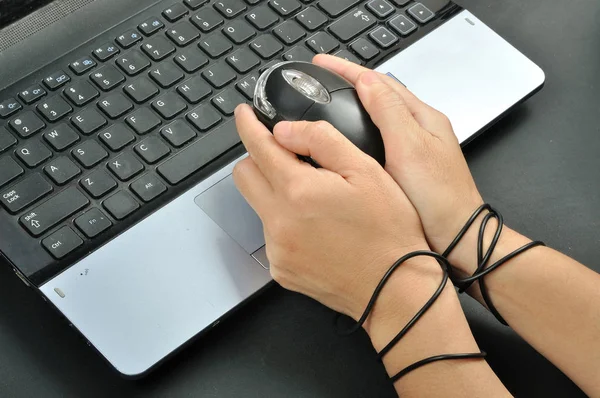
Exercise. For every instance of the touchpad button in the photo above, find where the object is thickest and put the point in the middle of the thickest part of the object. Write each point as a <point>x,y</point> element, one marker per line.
<point>224,204</point>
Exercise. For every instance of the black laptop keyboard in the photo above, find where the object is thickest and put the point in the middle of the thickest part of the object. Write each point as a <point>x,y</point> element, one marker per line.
<point>128,120</point>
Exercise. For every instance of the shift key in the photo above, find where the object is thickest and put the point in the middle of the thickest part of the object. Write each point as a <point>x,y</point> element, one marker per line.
<point>54,210</point>
<point>25,193</point>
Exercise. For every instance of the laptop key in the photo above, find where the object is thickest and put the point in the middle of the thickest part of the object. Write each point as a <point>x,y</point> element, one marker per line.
<point>116,137</point>
<point>128,38</point>
<point>26,124</point>
<point>8,107</point>
<point>88,120</point>
<point>215,45</point>
<point>204,117</point>
<point>311,18</point>
<point>115,105</point>
<point>348,56</point>
<point>105,51</point>
<point>285,7</point>
<point>239,31</point>
<point>158,48</point>
<point>169,105</point>
<point>364,49</point>
<point>199,153</point>
<point>120,205</point>
<point>352,24</point>
<point>402,25</point>
<point>61,137</point>
<point>383,37</point>
<point>54,210</point>
<point>289,32</point>
<point>298,53</point>
<point>89,153</point>
<point>381,8</point>
<point>143,120</point>
<point>107,77</point>
<point>335,8</point>
<point>266,46</point>
<point>62,242</point>
<point>125,166</point>
<point>151,26</point>
<point>133,62</point>
<point>9,170</point>
<point>178,133</point>
<point>191,59</point>
<point>194,4</point>
<point>227,100</point>
<point>32,94</point>
<point>81,92</point>
<point>92,223</point>
<point>229,8</point>
<point>243,60</point>
<point>6,139</point>
<point>54,108</point>
<point>56,80</point>
<point>219,74</point>
<point>194,89</point>
<point>262,17</point>
<point>247,85</point>
<point>175,12</point>
<point>33,153</point>
<point>98,183</point>
<point>25,192</point>
<point>166,74</point>
<point>62,170</point>
<point>322,43</point>
<point>207,19</point>
<point>152,149</point>
<point>141,90</point>
<point>148,187</point>
<point>421,13</point>
<point>401,3</point>
<point>182,33</point>
<point>82,65</point>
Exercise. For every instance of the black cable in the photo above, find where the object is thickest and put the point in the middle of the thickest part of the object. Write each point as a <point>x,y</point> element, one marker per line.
<point>436,358</point>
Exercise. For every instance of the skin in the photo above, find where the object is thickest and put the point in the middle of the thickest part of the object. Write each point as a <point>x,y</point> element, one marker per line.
<point>318,223</point>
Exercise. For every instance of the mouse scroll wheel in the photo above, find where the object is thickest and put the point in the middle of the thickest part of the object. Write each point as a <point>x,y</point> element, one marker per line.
<point>307,85</point>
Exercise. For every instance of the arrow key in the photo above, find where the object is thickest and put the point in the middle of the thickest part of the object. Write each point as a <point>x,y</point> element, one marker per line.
<point>383,37</point>
<point>402,25</point>
<point>381,8</point>
<point>421,13</point>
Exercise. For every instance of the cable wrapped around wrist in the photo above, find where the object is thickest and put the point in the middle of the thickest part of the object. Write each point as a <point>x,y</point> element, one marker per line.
<point>447,269</point>
<point>483,259</point>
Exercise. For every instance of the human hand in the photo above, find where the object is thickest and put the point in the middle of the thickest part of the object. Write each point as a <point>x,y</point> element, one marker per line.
<point>422,152</point>
<point>331,233</point>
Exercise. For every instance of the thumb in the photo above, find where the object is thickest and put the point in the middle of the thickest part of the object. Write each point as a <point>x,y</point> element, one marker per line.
<point>323,143</point>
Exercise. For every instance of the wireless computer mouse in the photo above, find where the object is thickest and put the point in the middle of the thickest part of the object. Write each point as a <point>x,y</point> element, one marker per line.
<point>295,91</point>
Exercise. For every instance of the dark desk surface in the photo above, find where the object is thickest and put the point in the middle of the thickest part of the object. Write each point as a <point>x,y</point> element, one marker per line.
<point>539,166</point>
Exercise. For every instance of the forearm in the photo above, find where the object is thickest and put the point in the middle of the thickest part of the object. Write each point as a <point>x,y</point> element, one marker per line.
<point>442,330</point>
<point>552,301</point>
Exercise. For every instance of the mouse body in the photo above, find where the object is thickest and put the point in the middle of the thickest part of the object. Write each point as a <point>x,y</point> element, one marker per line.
<point>294,91</point>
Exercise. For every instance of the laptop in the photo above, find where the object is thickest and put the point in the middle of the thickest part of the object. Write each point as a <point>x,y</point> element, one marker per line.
<point>117,143</point>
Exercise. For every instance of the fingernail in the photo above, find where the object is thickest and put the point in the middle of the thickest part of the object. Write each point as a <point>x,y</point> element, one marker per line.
<point>284,128</point>
<point>237,110</point>
<point>369,78</point>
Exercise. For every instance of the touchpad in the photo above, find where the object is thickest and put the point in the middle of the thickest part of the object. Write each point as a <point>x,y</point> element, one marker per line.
<point>227,207</point>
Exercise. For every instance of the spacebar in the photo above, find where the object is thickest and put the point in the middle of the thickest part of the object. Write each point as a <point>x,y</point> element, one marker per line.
<point>201,152</point>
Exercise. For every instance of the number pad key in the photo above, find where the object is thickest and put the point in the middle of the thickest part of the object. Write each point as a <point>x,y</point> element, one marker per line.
<point>33,153</point>
<point>54,108</point>
<point>133,62</point>
<point>158,48</point>
<point>98,183</point>
<point>182,33</point>
<point>26,124</point>
<point>32,94</point>
<point>105,51</point>
<point>81,93</point>
<point>107,77</point>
